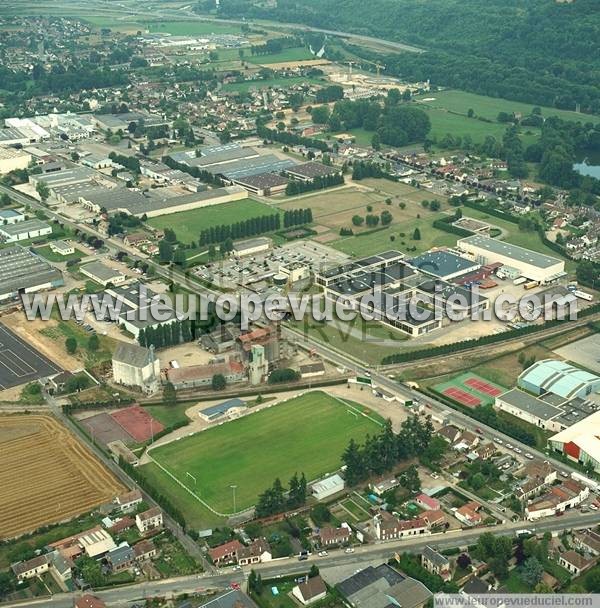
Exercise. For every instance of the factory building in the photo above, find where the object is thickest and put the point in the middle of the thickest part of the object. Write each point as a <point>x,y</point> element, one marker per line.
<point>580,442</point>
<point>532,265</point>
<point>22,271</point>
<point>22,231</point>
<point>559,378</point>
<point>11,160</point>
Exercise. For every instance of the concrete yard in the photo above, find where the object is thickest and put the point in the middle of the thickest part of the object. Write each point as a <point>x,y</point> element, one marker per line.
<point>585,352</point>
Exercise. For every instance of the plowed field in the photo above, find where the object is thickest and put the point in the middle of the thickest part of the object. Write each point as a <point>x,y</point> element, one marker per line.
<point>46,475</point>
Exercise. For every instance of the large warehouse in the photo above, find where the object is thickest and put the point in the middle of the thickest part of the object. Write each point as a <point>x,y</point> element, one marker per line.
<point>532,265</point>
<point>559,378</point>
<point>24,272</point>
<point>580,442</point>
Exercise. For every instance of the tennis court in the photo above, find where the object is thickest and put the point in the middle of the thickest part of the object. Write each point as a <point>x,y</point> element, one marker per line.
<point>464,398</point>
<point>470,390</point>
<point>483,387</point>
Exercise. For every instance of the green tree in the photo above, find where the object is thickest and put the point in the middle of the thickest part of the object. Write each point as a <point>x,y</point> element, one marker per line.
<point>532,571</point>
<point>169,394</point>
<point>416,235</point>
<point>218,382</point>
<point>93,343</point>
<point>43,190</point>
<point>71,345</point>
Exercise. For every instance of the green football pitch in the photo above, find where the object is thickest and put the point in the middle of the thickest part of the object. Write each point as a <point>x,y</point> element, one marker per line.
<point>306,434</point>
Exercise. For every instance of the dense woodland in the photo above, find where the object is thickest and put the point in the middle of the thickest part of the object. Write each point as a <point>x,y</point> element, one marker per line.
<point>536,51</point>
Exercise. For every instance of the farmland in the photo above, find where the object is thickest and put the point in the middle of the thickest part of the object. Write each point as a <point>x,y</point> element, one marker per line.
<point>305,434</point>
<point>46,468</point>
<point>188,224</point>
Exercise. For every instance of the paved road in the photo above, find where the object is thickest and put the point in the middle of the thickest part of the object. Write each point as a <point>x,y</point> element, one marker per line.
<point>437,407</point>
<point>362,555</point>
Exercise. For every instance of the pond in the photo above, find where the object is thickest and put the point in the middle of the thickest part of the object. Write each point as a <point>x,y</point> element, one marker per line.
<point>588,164</point>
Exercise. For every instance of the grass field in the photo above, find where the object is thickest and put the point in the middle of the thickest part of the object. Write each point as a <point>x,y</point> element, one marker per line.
<point>292,54</point>
<point>193,28</point>
<point>307,434</point>
<point>188,224</point>
<point>489,107</point>
<point>461,381</point>
<point>368,341</point>
<point>47,253</point>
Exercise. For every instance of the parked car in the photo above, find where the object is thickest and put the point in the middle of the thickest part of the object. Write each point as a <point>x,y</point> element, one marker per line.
<point>350,550</point>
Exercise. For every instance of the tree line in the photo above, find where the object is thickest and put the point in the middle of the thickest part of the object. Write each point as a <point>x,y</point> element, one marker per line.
<point>382,452</point>
<point>290,139</point>
<point>239,230</point>
<point>166,334</point>
<point>277,499</point>
<point>318,183</point>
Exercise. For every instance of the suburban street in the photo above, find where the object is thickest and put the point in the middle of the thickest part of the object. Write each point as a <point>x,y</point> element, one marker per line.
<point>124,596</point>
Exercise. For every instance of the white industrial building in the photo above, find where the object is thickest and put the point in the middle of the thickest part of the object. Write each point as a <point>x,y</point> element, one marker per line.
<point>531,264</point>
<point>327,487</point>
<point>22,271</point>
<point>136,366</point>
<point>11,216</point>
<point>11,160</point>
<point>103,275</point>
<point>62,248</point>
<point>21,231</point>
<point>252,246</point>
<point>580,442</point>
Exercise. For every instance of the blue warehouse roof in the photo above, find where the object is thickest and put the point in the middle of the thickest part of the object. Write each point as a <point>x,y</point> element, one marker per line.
<point>560,378</point>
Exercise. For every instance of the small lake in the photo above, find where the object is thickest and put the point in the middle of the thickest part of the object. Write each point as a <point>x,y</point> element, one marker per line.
<point>588,164</point>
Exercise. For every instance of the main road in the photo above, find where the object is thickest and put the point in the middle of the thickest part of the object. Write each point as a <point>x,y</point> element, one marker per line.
<point>124,596</point>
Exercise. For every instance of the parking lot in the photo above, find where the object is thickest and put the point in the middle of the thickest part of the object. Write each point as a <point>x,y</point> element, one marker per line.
<point>257,271</point>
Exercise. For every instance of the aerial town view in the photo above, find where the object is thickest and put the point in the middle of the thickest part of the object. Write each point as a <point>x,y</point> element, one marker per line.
<point>299,303</point>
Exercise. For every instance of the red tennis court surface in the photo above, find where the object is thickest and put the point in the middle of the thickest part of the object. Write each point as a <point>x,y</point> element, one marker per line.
<point>483,387</point>
<point>462,397</point>
<point>138,422</point>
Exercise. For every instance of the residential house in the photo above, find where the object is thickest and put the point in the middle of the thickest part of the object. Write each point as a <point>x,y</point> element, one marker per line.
<point>384,486</point>
<point>567,495</point>
<point>258,551</point>
<point>436,563</point>
<point>427,502</point>
<point>387,527</point>
<point>30,568</point>
<point>469,514</point>
<point>450,433</point>
<point>434,517</point>
<point>486,450</point>
<point>121,558</point>
<point>310,591</point>
<point>152,519</point>
<point>128,501</point>
<point>329,537</point>
<point>89,601</point>
<point>145,549</point>
<point>575,563</point>
<point>588,541</point>
<point>226,553</point>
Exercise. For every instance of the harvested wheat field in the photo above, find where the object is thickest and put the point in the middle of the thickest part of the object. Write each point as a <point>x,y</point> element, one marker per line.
<point>46,475</point>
